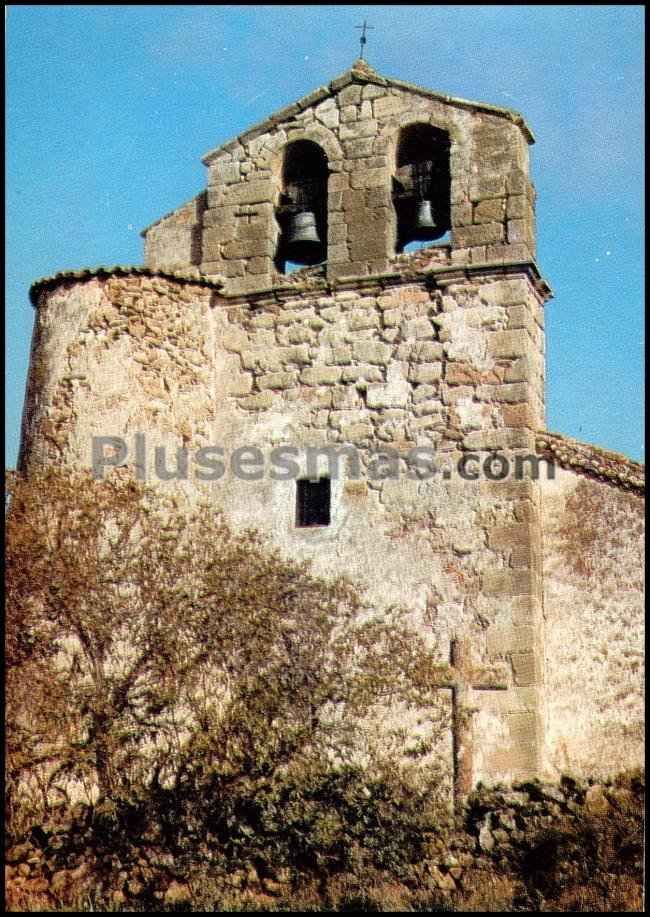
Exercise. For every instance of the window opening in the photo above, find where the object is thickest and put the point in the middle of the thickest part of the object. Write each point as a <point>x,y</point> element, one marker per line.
<point>313,502</point>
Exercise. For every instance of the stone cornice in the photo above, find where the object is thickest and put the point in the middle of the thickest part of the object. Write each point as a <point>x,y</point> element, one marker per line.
<point>435,276</point>
<point>443,275</point>
<point>592,461</point>
<point>438,275</point>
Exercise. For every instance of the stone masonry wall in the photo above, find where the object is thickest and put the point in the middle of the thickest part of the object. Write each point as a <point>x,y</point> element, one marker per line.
<point>594,624</point>
<point>451,360</point>
<point>356,121</point>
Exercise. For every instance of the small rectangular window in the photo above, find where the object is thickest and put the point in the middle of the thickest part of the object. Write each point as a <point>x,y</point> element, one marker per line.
<point>313,502</point>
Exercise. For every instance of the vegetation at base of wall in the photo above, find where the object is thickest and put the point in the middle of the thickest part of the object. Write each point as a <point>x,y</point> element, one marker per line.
<point>329,840</point>
<point>185,715</point>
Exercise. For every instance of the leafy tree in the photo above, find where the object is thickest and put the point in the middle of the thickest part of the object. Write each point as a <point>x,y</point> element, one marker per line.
<point>152,650</point>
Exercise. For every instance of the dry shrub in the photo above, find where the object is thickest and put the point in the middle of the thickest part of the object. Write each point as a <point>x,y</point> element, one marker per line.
<point>486,891</point>
<point>189,683</point>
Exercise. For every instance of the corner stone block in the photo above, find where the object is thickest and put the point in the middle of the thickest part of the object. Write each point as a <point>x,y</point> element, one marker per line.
<point>524,733</point>
<point>508,344</point>
<point>524,669</point>
<point>507,583</point>
<point>510,536</point>
<point>509,640</point>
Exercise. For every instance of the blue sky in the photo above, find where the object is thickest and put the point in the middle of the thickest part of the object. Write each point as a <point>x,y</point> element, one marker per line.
<point>109,109</point>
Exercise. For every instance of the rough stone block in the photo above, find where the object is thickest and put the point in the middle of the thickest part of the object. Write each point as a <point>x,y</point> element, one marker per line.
<point>248,248</point>
<point>504,253</point>
<point>349,95</point>
<point>346,269</point>
<point>354,433</point>
<point>519,207</point>
<point>250,192</point>
<point>467,236</point>
<point>418,329</point>
<point>499,440</point>
<point>461,214</point>
<point>389,105</point>
<point>508,639</point>
<point>508,536</point>
<point>362,373</point>
<point>361,319</point>
<point>259,265</point>
<point>426,373</point>
<point>359,147</point>
<point>369,178</point>
<point>519,415</point>
<point>239,384</point>
<point>321,375</point>
<point>339,181</point>
<point>369,247</point>
<point>460,256</point>
<point>523,667</point>
<point>391,395</point>
<point>360,129</point>
<point>508,344</point>
<point>490,210</point>
<point>517,182</point>
<point>392,317</point>
<point>278,380</point>
<point>341,354</point>
<point>519,231</point>
<point>372,352</point>
<point>329,116</point>
<point>340,419</point>
<point>261,402</point>
<point>427,408</point>
<point>507,583</point>
<point>483,187</point>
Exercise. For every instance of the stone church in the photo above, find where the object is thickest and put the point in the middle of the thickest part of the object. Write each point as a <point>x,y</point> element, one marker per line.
<point>360,276</point>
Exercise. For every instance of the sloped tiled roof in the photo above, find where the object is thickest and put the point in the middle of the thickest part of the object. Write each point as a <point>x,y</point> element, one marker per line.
<point>119,270</point>
<point>592,461</point>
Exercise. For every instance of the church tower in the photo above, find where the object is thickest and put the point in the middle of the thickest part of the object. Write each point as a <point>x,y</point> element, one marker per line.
<point>286,308</point>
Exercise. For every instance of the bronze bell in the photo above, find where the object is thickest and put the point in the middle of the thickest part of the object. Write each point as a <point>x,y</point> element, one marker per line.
<point>303,242</point>
<point>424,226</point>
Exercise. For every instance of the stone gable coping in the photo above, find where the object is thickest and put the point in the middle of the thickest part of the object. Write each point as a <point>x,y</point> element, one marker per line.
<point>592,461</point>
<point>360,72</point>
<point>171,213</point>
<point>119,270</point>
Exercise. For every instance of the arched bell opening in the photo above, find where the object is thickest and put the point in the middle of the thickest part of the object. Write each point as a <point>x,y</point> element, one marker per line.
<point>302,206</point>
<point>422,186</point>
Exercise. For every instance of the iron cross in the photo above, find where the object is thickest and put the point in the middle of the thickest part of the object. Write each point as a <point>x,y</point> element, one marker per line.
<point>363,38</point>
